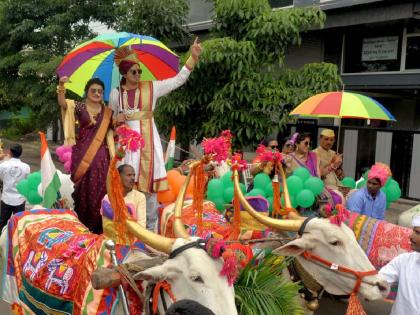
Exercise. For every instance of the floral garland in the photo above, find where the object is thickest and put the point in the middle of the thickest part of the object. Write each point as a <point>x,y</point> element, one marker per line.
<point>128,140</point>
<point>218,147</point>
<point>265,154</point>
<point>337,215</point>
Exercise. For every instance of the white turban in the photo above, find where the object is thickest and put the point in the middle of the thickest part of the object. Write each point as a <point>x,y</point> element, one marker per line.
<point>416,221</point>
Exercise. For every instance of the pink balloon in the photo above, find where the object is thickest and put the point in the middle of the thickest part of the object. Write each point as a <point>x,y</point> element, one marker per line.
<point>66,157</point>
<point>60,150</point>
<point>68,148</point>
<point>67,166</point>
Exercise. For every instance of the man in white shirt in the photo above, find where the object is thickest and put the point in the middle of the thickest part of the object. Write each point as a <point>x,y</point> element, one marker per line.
<point>405,270</point>
<point>12,171</point>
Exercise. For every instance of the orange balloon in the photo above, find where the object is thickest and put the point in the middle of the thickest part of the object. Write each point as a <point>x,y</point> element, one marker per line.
<point>190,188</point>
<point>166,196</point>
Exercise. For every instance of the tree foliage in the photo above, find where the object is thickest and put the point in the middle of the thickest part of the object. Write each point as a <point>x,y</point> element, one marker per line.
<point>161,19</point>
<point>241,82</point>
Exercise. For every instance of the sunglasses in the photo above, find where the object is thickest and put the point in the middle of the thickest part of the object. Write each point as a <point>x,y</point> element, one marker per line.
<point>274,146</point>
<point>134,72</point>
<point>307,143</point>
<point>290,145</point>
<point>96,91</point>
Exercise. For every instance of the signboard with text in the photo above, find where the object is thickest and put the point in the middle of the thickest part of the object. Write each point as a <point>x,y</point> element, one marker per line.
<point>380,48</point>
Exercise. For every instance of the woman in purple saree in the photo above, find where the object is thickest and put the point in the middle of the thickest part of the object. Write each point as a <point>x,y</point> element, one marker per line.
<point>91,151</point>
<point>303,157</point>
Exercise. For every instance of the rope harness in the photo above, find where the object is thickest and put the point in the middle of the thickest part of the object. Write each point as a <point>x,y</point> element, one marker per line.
<point>354,304</point>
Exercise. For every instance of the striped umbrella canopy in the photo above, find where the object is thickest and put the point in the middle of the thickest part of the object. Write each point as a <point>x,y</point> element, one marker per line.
<point>95,59</point>
<point>342,105</point>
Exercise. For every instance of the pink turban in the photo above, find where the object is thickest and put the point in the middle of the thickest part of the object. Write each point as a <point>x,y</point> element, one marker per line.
<point>380,171</point>
<point>126,65</point>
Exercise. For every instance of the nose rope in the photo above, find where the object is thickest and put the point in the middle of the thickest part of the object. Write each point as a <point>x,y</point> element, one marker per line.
<point>338,268</point>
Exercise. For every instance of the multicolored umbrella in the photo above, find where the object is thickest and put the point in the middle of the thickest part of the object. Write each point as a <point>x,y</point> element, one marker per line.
<point>342,105</point>
<point>95,58</point>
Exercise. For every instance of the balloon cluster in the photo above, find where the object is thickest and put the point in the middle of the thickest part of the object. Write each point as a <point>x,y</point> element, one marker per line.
<point>303,188</point>
<point>220,191</point>
<point>391,188</point>
<point>64,155</point>
<point>29,188</point>
<point>175,181</point>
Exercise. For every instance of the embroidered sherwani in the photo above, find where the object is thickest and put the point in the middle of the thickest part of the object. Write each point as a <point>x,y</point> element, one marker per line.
<point>138,106</point>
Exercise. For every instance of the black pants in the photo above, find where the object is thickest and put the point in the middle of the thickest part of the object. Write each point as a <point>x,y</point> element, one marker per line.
<point>6,212</point>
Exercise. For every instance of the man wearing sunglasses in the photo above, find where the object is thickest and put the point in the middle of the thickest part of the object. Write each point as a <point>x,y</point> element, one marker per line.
<point>133,103</point>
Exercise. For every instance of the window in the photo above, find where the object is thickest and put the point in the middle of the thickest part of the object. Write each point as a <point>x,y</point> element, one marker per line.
<point>280,3</point>
<point>370,50</point>
<point>412,54</point>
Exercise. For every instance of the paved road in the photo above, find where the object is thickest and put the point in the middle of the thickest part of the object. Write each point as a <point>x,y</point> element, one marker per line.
<point>328,305</point>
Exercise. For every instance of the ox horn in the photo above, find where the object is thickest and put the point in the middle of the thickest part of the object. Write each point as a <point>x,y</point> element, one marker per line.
<point>156,241</point>
<point>179,228</point>
<point>283,225</point>
<point>287,203</point>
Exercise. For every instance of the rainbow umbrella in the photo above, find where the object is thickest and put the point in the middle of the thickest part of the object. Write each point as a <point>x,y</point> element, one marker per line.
<point>95,58</point>
<point>342,105</point>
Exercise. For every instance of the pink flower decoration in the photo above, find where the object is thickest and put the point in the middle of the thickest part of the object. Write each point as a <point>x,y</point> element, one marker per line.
<point>129,138</point>
<point>218,147</point>
<point>266,155</point>
<point>339,215</point>
<point>238,163</point>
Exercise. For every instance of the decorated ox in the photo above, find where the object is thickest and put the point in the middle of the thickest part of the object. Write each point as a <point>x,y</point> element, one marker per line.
<point>328,256</point>
<point>59,280</point>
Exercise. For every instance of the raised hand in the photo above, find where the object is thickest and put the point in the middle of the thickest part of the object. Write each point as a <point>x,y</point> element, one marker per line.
<point>196,49</point>
<point>63,80</point>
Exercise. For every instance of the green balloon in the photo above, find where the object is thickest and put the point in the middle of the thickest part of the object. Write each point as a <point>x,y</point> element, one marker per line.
<point>349,182</point>
<point>302,173</point>
<point>34,198</point>
<point>295,184</point>
<point>243,188</point>
<point>393,193</point>
<point>365,175</point>
<point>227,180</point>
<point>220,204</point>
<point>270,201</point>
<point>261,180</point>
<point>269,190</point>
<point>305,198</point>
<point>314,184</point>
<point>256,192</point>
<point>34,179</point>
<point>228,194</point>
<point>215,189</point>
<point>23,187</point>
<point>362,184</point>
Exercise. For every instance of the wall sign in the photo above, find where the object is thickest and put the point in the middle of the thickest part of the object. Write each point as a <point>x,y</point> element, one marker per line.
<point>380,48</point>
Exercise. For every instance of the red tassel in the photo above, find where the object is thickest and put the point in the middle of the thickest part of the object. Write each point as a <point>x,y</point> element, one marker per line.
<point>198,195</point>
<point>236,228</point>
<point>355,307</point>
<point>276,199</point>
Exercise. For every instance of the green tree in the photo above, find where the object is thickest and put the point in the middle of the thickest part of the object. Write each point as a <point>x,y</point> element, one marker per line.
<point>34,37</point>
<point>241,83</point>
<point>162,19</point>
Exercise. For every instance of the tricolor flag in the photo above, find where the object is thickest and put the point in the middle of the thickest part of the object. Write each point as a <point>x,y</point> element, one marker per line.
<point>50,182</point>
<point>170,151</point>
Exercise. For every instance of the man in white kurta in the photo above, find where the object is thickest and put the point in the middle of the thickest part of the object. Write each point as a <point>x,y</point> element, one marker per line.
<point>405,271</point>
<point>133,103</point>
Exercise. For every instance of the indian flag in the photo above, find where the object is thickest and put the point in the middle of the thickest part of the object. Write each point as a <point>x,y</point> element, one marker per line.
<point>170,151</point>
<point>50,182</point>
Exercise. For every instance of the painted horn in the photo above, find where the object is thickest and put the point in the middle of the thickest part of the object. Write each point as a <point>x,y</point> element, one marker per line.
<point>287,203</point>
<point>179,228</point>
<point>283,225</point>
<point>156,241</point>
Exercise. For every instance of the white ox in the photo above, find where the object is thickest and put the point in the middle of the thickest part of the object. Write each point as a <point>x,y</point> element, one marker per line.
<point>330,242</point>
<point>192,274</point>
